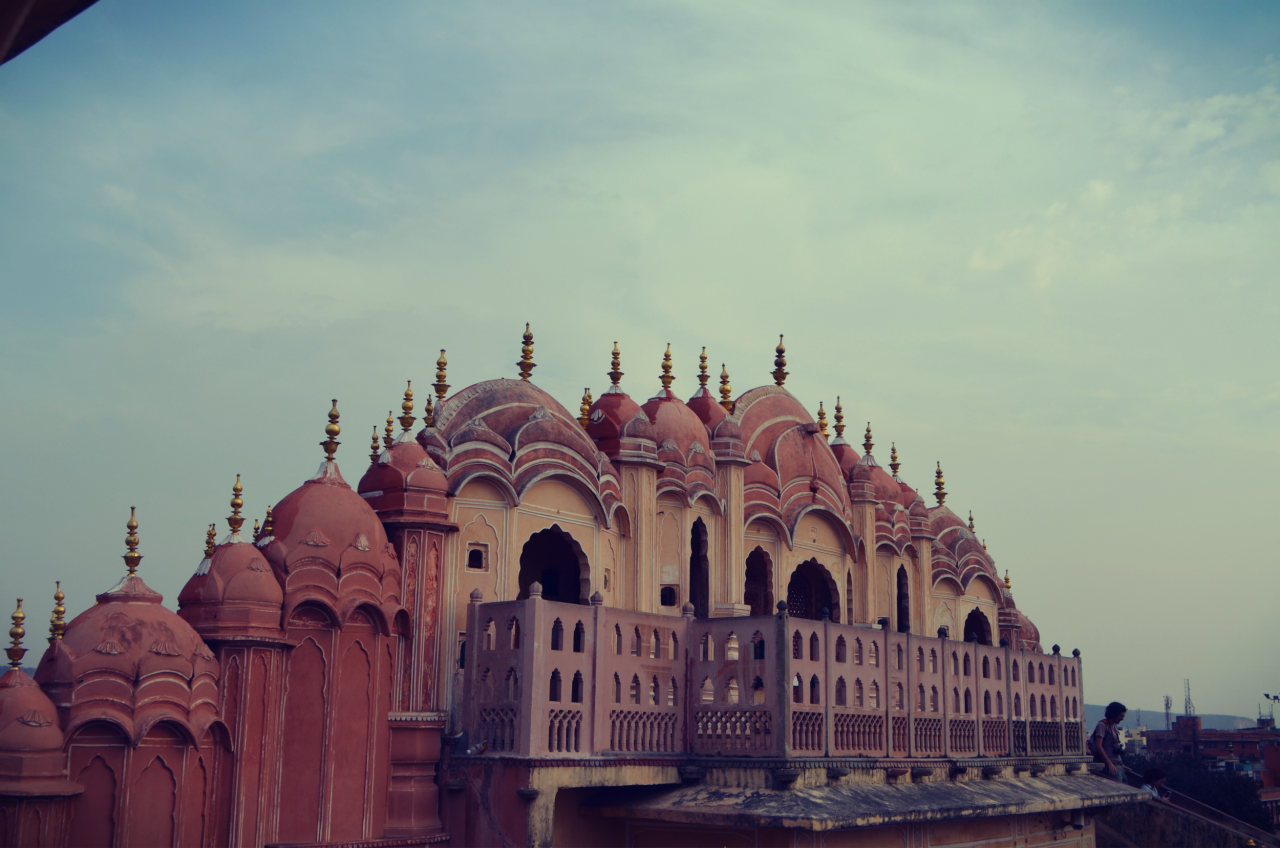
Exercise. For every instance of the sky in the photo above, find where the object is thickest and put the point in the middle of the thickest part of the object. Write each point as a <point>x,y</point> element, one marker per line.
<point>1037,243</point>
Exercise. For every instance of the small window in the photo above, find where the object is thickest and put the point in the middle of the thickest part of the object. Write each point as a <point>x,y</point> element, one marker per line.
<point>655,647</point>
<point>637,645</point>
<point>557,636</point>
<point>708,648</point>
<point>857,653</point>
<point>575,693</point>
<point>968,701</point>
<point>955,664</point>
<point>708,691</point>
<point>671,694</point>
<point>513,685</point>
<point>555,685</point>
<point>813,689</point>
<point>757,691</point>
<point>513,633</point>
<point>1042,672</point>
<point>920,663</point>
<point>875,696</point>
<point>898,658</point>
<point>731,649</point>
<point>933,699</point>
<point>617,689</point>
<point>797,646</point>
<point>635,689</point>
<point>1051,683</point>
<point>797,690</point>
<point>617,639</point>
<point>731,691</point>
<point>998,669</point>
<point>579,638</point>
<point>897,701</point>
<point>1013,669</point>
<point>1017,705</point>
<point>986,703</point>
<point>757,647</point>
<point>608,573</point>
<point>933,660</point>
<point>857,692</point>
<point>842,694</point>
<point>999,703</point>
<point>841,648</point>
<point>667,597</point>
<point>814,647</point>
<point>875,654</point>
<point>654,692</point>
<point>986,667</point>
<point>966,665</point>
<point>920,701</point>
<point>955,699</point>
<point>477,557</point>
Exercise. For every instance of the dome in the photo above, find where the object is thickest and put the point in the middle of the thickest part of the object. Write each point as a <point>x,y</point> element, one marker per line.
<point>677,429</point>
<point>707,408</point>
<point>28,719</point>
<point>908,495</point>
<point>405,481</point>
<point>887,491</point>
<point>845,455</point>
<point>234,592</point>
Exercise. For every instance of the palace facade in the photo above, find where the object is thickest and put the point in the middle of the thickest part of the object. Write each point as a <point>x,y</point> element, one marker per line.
<point>668,622</point>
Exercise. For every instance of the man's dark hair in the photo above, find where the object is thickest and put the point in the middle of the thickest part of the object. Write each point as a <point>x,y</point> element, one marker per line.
<point>1152,775</point>
<point>1115,709</point>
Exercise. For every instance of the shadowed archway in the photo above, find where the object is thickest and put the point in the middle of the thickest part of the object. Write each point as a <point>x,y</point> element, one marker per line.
<point>812,590</point>
<point>699,571</point>
<point>554,559</point>
<point>977,625</point>
<point>758,590</point>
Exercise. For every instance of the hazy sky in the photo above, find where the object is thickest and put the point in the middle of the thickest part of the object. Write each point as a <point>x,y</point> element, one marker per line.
<point>1038,243</point>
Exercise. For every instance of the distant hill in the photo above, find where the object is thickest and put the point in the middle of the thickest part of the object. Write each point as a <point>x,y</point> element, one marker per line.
<point>1154,719</point>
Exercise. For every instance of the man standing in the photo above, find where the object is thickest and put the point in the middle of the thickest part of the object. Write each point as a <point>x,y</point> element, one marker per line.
<point>1106,741</point>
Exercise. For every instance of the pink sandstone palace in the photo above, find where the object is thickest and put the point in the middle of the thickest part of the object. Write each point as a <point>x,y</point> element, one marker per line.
<point>702,622</point>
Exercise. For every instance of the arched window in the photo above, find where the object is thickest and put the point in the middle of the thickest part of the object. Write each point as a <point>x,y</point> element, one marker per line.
<point>813,689</point>
<point>1053,706</point>
<point>1013,668</point>
<point>731,691</point>
<point>617,639</point>
<point>635,689</point>
<point>637,644</point>
<point>955,664</point>
<point>475,559</point>
<point>1031,705</point>
<point>848,598</point>
<point>513,633</point>
<point>1075,708</point>
<point>857,652</point>
<point>966,665</point>
<point>999,703</point>
<point>667,596</point>
<point>920,701</point>
<point>1051,683</point>
<point>513,685</point>
<point>998,668</point>
<point>797,646</point>
<point>708,648</point>
<point>933,699</point>
<point>898,697</point>
<point>672,694</point>
<point>840,649</point>
<point>654,691</point>
<point>486,685</point>
<point>841,693</point>
<point>579,638</point>
<point>655,646</point>
<point>1073,677</point>
<point>875,654</point>
<point>857,692</point>
<point>708,691</point>
<point>904,601</point>
<point>986,667</point>
<point>986,703</point>
<point>699,571</point>
<point>617,689</point>
<point>758,588</point>
<point>553,559</point>
<point>898,658</point>
<point>490,636</point>
<point>977,628</point>
<point>813,647</point>
<point>933,661</point>
<point>675,646</point>
<point>731,647</point>
<point>920,658</point>
<point>575,690</point>
<point>555,686</point>
<point>1017,705</point>
<point>968,701</point>
<point>810,591</point>
<point>557,636</point>
<point>1042,672</point>
<point>757,646</point>
<point>797,690</point>
<point>875,695</point>
<point>757,691</point>
<point>955,693</point>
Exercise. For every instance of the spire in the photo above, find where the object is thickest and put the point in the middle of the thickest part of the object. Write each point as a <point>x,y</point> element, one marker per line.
<point>268,525</point>
<point>390,438</point>
<point>374,446</point>
<point>894,465</point>
<point>234,521</point>
<point>615,372</point>
<point>984,544</point>
<point>780,364</point>
<point>407,419</point>
<point>429,414</point>
<point>441,385</point>
<point>1007,583</point>
<point>584,417</point>
<point>210,540</point>
<point>839,428</point>
<point>17,652</point>
<point>666,377</point>
<point>726,391</point>
<point>331,430</point>
<point>971,528</point>
<point>526,363</point>
<point>257,531</point>
<point>56,625</point>
<point>866,440</point>
<point>132,558</point>
<point>822,421</point>
<point>703,376</point>
<point>939,486</point>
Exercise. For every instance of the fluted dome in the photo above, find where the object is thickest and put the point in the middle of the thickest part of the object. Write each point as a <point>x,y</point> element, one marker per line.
<point>233,593</point>
<point>405,482</point>
<point>677,429</point>
<point>619,427</point>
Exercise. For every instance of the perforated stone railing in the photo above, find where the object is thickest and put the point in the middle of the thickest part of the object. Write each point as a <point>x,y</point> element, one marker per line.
<point>548,678</point>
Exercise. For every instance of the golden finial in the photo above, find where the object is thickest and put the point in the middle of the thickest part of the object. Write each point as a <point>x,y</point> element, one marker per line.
<point>234,520</point>
<point>1007,583</point>
<point>894,465</point>
<point>666,377</point>
<point>440,385</point>
<point>389,438</point>
<point>331,430</point>
<point>374,447</point>
<point>429,414</point>
<point>867,444</point>
<point>257,531</point>
<point>584,417</point>
<point>839,428</point>
<point>725,389</point>
<point>615,373</point>
<point>703,376</point>
<point>407,419</point>
<point>780,364</point>
<point>822,421</point>
<point>268,525</point>
<point>984,544</point>
<point>526,363</point>
<point>939,486</point>
<point>132,558</point>
<point>17,652</point>
<point>56,625</point>
<point>971,521</point>
<point>210,540</point>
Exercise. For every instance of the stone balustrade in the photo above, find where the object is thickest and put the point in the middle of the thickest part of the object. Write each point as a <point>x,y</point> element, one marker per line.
<point>544,678</point>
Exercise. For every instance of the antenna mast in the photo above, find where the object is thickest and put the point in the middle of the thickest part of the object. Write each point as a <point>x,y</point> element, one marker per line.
<point>1168,708</point>
<point>1189,708</point>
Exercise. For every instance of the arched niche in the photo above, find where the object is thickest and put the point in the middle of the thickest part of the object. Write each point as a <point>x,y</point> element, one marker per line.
<point>977,627</point>
<point>482,489</point>
<point>553,558</point>
<point>810,590</point>
<point>758,585</point>
<point>699,570</point>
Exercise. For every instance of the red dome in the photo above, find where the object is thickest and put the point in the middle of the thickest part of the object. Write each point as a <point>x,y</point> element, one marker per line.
<point>233,593</point>
<point>28,720</point>
<point>707,408</point>
<point>405,480</point>
<point>677,429</point>
<point>887,491</point>
<point>845,455</point>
